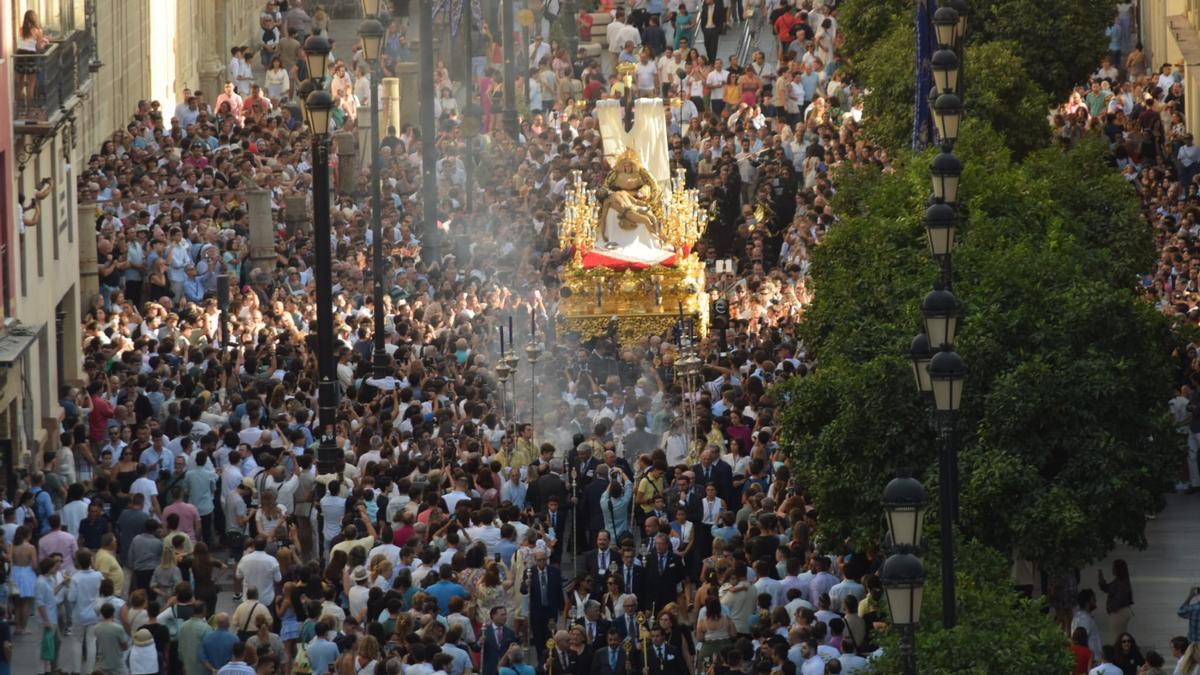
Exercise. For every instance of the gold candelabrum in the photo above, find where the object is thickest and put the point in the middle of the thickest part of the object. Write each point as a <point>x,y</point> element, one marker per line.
<point>644,637</point>
<point>581,212</point>
<point>550,649</point>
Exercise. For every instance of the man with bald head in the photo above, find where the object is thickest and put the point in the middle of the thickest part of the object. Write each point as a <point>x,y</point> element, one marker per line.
<point>216,649</point>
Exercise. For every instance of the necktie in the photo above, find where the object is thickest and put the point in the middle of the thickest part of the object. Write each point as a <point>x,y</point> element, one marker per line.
<point>603,561</point>
<point>662,564</point>
<point>629,579</point>
<point>500,636</point>
<point>591,632</point>
<point>612,659</point>
<point>707,473</point>
<point>632,630</point>
<point>545,593</point>
<point>661,654</point>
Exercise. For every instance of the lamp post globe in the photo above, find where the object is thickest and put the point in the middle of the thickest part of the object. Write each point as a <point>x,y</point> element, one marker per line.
<point>317,108</point>
<point>963,10</point>
<point>947,115</point>
<point>947,371</point>
<point>945,27</point>
<point>920,353</point>
<point>903,578</point>
<point>904,504</point>
<point>370,32</point>
<point>316,56</point>
<point>940,309</point>
<point>944,64</point>
<point>940,222</point>
<point>945,173</point>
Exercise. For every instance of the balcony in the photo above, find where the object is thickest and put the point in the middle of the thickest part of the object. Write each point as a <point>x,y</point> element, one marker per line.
<point>57,74</point>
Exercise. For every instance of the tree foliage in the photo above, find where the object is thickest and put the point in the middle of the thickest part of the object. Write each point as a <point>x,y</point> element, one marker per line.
<point>1064,441</point>
<point>997,88</point>
<point>1059,42</point>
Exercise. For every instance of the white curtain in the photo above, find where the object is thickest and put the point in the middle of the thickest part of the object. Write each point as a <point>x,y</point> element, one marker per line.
<point>648,137</point>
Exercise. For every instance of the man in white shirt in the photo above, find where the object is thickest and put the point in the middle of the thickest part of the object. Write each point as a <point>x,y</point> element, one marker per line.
<point>1107,654</point>
<point>148,489</point>
<point>259,570</point>
<point>1083,618</point>
<point>486,530</point>
<point>537,51</point>
<point>612,34</point>
<point>646,75</point>
<point>765,584</point>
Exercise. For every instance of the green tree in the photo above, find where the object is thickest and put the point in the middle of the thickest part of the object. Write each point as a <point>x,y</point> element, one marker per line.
<point>1059,42</point>
<point>1064,440</point>
<point>997,88</point>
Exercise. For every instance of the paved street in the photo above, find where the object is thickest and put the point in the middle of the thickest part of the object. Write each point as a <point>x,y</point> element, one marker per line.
<point>1161,575</point>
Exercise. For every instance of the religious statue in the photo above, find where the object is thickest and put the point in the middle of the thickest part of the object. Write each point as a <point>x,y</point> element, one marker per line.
<point>631,211</point>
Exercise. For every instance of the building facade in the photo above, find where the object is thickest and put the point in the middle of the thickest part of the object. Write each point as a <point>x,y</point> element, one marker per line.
<point>59,105</point>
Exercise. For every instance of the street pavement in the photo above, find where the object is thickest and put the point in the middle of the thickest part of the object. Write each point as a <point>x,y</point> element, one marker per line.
<point>1161,575</point>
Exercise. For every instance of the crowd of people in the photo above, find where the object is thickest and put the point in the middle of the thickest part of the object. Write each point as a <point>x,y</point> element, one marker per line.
<point>459,535</point>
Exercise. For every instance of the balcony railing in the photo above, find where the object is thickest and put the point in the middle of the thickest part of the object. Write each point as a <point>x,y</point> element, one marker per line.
<point>54,76</point>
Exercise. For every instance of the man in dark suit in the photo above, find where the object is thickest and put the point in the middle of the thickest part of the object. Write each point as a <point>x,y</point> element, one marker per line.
<point>685,495</point>
<point>545,590</point>
<point>599,563</point>
<point>664,573</point>
<point>556,517</point>
<point>662,658</point>
<point>712,22</point>
<point>495,640</point>
<point>594,626</point>
<point>560,661</point>
<point>639,441</point>
<point>628,628</point>
<point>711,469</point>
<point>590,503</point>
<point>632,575</point>
<point>548,484</point>
<point>611,659</point>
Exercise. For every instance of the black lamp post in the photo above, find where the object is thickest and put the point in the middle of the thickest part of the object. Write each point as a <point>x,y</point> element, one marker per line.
<point>903,575</point>
<point>370,31</point>
<point>318,107</point>
<point>429,187</point>
<point>938,370</point>
<point>510,71</point>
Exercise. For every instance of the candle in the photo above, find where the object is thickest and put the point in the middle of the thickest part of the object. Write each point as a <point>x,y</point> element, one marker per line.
<point>532,324</point>
<point>510,335</point>
<point>501,341</point>
<point>599,295</point>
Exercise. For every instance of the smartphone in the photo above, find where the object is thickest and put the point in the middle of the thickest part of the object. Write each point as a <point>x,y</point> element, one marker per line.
<point>497,557</point>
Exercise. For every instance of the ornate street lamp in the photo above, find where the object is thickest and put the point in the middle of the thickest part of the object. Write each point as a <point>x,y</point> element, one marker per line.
<point>945,27</point>
<point>947,373</point>
<point>316,57</point>
<point>947,114</point>
<point>904,504</point>
<point>941,310</point>
<point>945,173</point>
<point>940,223</point>
<point>945,71</point>
<point>920,354</point>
